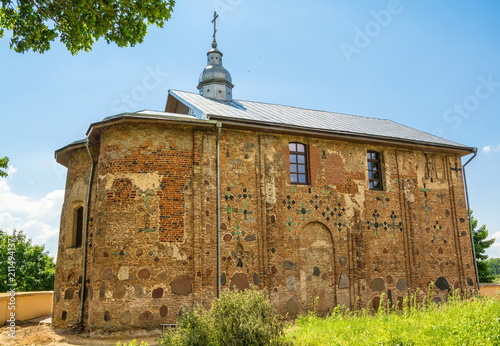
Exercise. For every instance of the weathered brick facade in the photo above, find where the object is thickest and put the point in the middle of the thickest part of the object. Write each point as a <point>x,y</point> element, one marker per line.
<point>151,240</point>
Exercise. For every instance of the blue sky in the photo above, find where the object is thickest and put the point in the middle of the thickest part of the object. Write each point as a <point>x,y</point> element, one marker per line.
<point>426,64</point>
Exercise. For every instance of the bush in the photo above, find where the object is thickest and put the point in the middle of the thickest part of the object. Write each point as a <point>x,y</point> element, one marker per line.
<point>237,318</point>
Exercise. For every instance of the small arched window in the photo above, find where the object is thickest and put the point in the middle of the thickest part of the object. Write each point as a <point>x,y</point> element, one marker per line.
<point>374,161</point>
<point>298,163</point>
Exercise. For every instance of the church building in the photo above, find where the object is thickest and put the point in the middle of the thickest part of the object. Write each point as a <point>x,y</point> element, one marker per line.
<point>164,210</point>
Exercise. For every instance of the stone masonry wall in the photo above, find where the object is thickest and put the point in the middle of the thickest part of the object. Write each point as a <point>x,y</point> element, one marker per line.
<point>152,228</point>
<point>68,276</point>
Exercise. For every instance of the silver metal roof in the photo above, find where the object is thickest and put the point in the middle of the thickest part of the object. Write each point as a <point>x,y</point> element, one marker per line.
<point>265,113</point>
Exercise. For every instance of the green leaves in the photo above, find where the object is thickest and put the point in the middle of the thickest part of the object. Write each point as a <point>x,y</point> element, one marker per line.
<point>4,163</point>
<point>480,246</point>
<point>80,23</point>
<point>26,267</point>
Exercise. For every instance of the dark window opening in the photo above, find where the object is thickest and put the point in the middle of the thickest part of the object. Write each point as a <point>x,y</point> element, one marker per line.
<point>374,170</point>
<point>298,163</point>
<point>79,227</point>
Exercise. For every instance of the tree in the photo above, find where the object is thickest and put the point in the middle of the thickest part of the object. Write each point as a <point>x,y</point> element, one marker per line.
<point>480,245</point>
<point>80,23</point>
<point>494,266</point>
<point>24,267</point>
<point>4,162</point>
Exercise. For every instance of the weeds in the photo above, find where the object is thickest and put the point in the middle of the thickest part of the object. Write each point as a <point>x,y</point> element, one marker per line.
<point>463,320</point>
<point>237,318</point>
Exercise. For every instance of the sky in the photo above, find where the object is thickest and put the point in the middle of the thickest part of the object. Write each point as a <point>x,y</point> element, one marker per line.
<point>430,65</point>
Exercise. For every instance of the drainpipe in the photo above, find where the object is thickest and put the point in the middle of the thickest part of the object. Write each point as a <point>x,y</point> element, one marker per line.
<point>217,183</point>
<point>468,216</point>
<point>85,232</point>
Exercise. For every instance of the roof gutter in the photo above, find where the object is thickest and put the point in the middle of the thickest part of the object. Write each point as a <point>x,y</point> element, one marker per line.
<point>85,233</point>
<point>469,216</point>
<point>217,188</point>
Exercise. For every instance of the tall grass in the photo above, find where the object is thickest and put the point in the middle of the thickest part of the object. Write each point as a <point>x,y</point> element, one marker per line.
<point>474,321</point>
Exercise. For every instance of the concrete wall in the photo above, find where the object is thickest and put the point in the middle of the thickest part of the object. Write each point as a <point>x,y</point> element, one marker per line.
<point>28,305</point>
<point>490,290</point>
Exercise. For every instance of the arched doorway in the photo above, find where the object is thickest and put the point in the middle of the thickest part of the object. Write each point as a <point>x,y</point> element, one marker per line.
<point>317,272</point>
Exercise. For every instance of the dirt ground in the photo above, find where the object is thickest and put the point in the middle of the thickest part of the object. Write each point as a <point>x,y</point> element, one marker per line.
<point>44,335</point>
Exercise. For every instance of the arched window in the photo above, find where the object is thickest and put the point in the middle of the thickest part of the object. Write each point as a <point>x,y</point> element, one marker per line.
<point>298,163</point>
<point>374,161</point>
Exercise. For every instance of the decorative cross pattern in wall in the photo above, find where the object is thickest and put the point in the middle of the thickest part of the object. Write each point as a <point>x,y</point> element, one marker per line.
<point>303,211</point>
<point>319,203</point>
<point>335,214</point>
<point>238,233</point>
<point>323,204</point>
<point>441,195</point>
<point>456,169</point>
<point>289,223</point>
<point>237,203</point>
<point>438,232</point>
<point>426,207</point>
<point>374,224</point>
<point>392,225</point>
<point>382,198</point>
<point>241,198</point>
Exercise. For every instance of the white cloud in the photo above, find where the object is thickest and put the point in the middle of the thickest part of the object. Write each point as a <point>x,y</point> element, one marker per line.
<point>494,250</point>
<point>489,149</point>
<point>38,218</point>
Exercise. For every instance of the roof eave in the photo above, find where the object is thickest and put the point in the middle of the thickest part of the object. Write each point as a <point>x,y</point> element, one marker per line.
<point>170,118</point>
<point>62,154</point>
<point>358,137</point>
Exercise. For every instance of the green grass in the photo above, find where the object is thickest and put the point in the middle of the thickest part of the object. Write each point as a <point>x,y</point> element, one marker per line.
<point>458,322</point>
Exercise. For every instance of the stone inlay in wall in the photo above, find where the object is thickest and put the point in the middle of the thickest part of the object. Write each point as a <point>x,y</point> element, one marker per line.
<point>162,276</point>
<point>144,273</point>
<point>377,284</point>
<point>239,281</point>
<point>181,285</point>
<point>146,316</point>
<point>292,306</point>
<point>290,283</point>
<point>125,317</point>
<point>138,291</point>
<point>442,283</point>
<point>163,310</point>
<point>316,271</point>
<point>107,274</point>
<point>107,316</point>
<point>119,290</point>
<point>102,290</point>
<point>343,281</point>
<point>69,293</point>
<point>157,293</point>
<point>342,260</point>
<point>256,279</point>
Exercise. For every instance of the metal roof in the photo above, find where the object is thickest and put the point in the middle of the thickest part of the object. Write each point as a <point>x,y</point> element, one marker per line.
<point>206,108</point>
